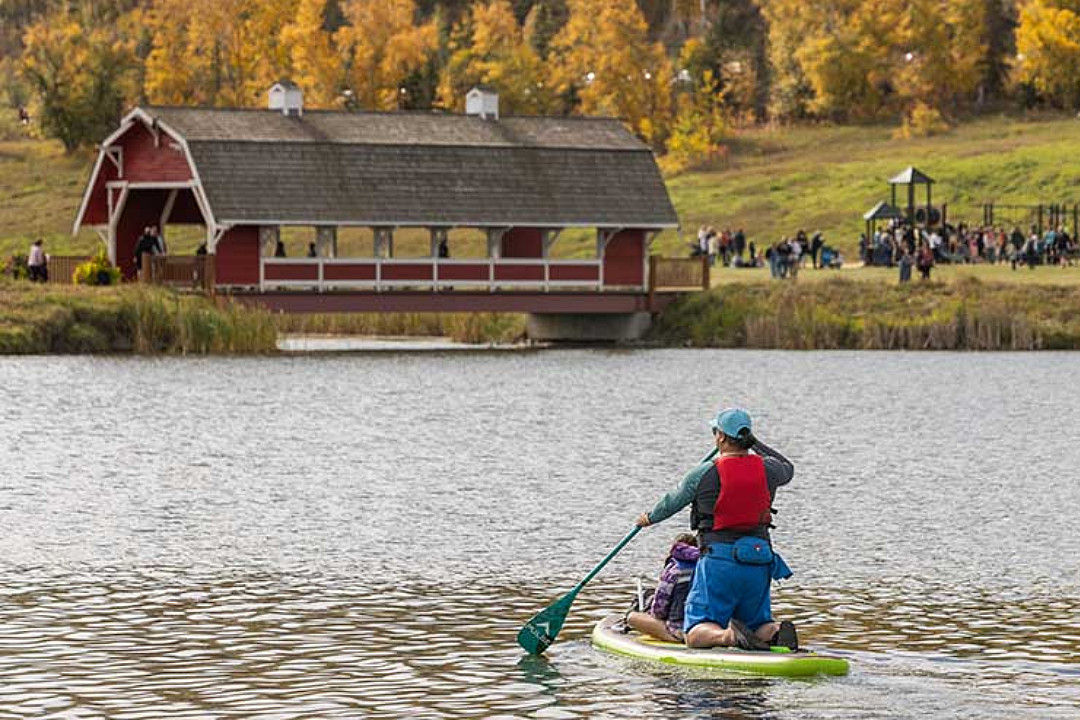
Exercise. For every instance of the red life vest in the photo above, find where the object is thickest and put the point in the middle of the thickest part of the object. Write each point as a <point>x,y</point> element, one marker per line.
<point>744,501</point>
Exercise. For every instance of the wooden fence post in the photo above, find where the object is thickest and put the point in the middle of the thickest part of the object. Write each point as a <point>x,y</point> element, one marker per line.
<point>652,281</point>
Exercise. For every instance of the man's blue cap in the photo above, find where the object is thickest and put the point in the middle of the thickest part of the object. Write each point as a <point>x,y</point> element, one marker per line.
<point>731,421</point>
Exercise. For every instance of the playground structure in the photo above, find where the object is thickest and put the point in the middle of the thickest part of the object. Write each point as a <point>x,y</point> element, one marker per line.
<point>1041,217</point>
<point>918,215</point>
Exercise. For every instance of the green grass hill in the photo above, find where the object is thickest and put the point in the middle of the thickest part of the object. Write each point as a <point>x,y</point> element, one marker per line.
<point>773,182</point>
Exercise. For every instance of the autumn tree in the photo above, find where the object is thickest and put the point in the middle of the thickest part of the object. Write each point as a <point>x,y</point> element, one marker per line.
<point>81,76</point>
<point>382,45</point>
<point>317,66</point>
<point>604,64</point>
<point>489,47</point>
<point>1048,54</point>
<point>791,23</point>
<point>216,52</point>
<point>700,123</point>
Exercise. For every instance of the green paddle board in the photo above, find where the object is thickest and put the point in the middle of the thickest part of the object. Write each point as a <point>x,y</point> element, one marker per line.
<point>748,662</point>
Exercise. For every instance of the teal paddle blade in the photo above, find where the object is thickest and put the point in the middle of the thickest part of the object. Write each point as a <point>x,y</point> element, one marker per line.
<point>540,632</point>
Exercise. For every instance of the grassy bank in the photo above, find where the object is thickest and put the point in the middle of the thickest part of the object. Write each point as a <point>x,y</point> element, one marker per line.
<point>832,313</point>
<point>773,182</point>
<point>74,319</point>
<point>61,319</point>
<point>841,314</point>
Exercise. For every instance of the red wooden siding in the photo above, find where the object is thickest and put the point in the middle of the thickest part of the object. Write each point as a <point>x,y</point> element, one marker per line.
<point>575,272</point>
<point>624,259</point>
<point>352,271</point>
<point>523,243</point>
<point>238,256</point>
<point>97,208</point>
<point>143,162</point>
<point>407,272</point>
<point>520,272</point>
<point>292,271</point>
<point>477,272</point>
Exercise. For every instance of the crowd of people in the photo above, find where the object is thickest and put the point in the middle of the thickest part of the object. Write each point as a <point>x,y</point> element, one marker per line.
<point>784,258</point>
<point>730,249</point>
<point>902,245</point>
<point>898,245</point>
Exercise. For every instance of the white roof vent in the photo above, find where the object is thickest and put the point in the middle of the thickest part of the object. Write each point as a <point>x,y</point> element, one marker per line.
<point>287,97</point>
<point>482,101</point>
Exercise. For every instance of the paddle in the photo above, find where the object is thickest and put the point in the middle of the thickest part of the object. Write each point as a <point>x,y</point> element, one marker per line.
<point>540,632</point>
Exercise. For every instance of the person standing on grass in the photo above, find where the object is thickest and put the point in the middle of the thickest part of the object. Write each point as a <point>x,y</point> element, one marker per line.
<point>816,243</point>
<point>906,261</point>
<point>924,261</point>
<point>38,262</point>
<point>731,499</point>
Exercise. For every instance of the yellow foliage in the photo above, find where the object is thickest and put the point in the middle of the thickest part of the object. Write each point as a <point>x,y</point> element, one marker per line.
<point>699,129</point>
<point>1048,53</point>
<point>216,52</point>
<point>488,47</point>
<point>922,121</point>
<point>81,77</point>
<point>317,67</point>
<point>382,45</point>
<point>603,56</point>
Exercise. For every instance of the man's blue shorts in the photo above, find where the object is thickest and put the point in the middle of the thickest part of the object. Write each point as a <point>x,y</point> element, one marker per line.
<point>723,589</point>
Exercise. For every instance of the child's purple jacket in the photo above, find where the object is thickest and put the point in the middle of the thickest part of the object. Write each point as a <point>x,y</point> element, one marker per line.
<point>678,568</point>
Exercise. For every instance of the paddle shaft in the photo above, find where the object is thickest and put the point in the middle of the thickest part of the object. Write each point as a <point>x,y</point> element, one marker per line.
<point>622,543</point>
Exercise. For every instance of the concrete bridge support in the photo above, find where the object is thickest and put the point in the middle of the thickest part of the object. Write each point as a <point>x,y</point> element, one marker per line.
<point>614,327</point>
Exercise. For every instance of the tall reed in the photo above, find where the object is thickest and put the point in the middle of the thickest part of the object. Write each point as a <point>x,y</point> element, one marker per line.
<point>59,319</point>
<point>479,328</point>
<point>843,314</point>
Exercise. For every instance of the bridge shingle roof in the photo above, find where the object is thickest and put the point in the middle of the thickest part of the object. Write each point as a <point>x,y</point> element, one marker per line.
<point>260,166</point>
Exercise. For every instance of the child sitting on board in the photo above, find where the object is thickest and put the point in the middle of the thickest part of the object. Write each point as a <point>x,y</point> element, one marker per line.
<point>664,619</point>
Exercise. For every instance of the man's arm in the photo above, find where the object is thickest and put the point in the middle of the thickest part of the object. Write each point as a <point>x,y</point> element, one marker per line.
<point>778,469</point>
<point>678,498</point>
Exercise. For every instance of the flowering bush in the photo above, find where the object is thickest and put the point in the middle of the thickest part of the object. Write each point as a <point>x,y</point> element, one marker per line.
<point>97,271</point>
<point>16,267</point>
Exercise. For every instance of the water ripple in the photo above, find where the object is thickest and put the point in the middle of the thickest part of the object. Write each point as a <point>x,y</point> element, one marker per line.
<point>363,536</point>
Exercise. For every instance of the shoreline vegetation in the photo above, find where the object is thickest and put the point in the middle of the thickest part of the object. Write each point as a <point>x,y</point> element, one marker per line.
<point>59,319</point>
<point>843,314</point>
<point>836,313</point>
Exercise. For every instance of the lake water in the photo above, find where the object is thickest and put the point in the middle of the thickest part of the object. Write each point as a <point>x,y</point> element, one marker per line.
<point>363,535</point>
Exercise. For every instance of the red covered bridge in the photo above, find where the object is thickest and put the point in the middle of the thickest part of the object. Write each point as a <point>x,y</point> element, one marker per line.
<point>245,175</point>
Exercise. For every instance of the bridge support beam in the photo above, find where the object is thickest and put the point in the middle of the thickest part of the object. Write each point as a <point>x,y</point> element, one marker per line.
<point>616,327</point>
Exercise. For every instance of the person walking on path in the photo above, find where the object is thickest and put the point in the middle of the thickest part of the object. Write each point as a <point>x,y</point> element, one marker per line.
<point>37,262</point>
<point>731,510</point>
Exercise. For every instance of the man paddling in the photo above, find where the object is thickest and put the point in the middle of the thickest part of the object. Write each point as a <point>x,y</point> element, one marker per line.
<point>731,498</point>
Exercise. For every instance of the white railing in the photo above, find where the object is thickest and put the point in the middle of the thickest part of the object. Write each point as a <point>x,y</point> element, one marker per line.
<point>322,273</point>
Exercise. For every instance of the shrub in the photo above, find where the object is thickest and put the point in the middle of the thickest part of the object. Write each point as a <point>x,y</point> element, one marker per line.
<point>922,121</point>
<point>97,271</point>
<point>16,267</point>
